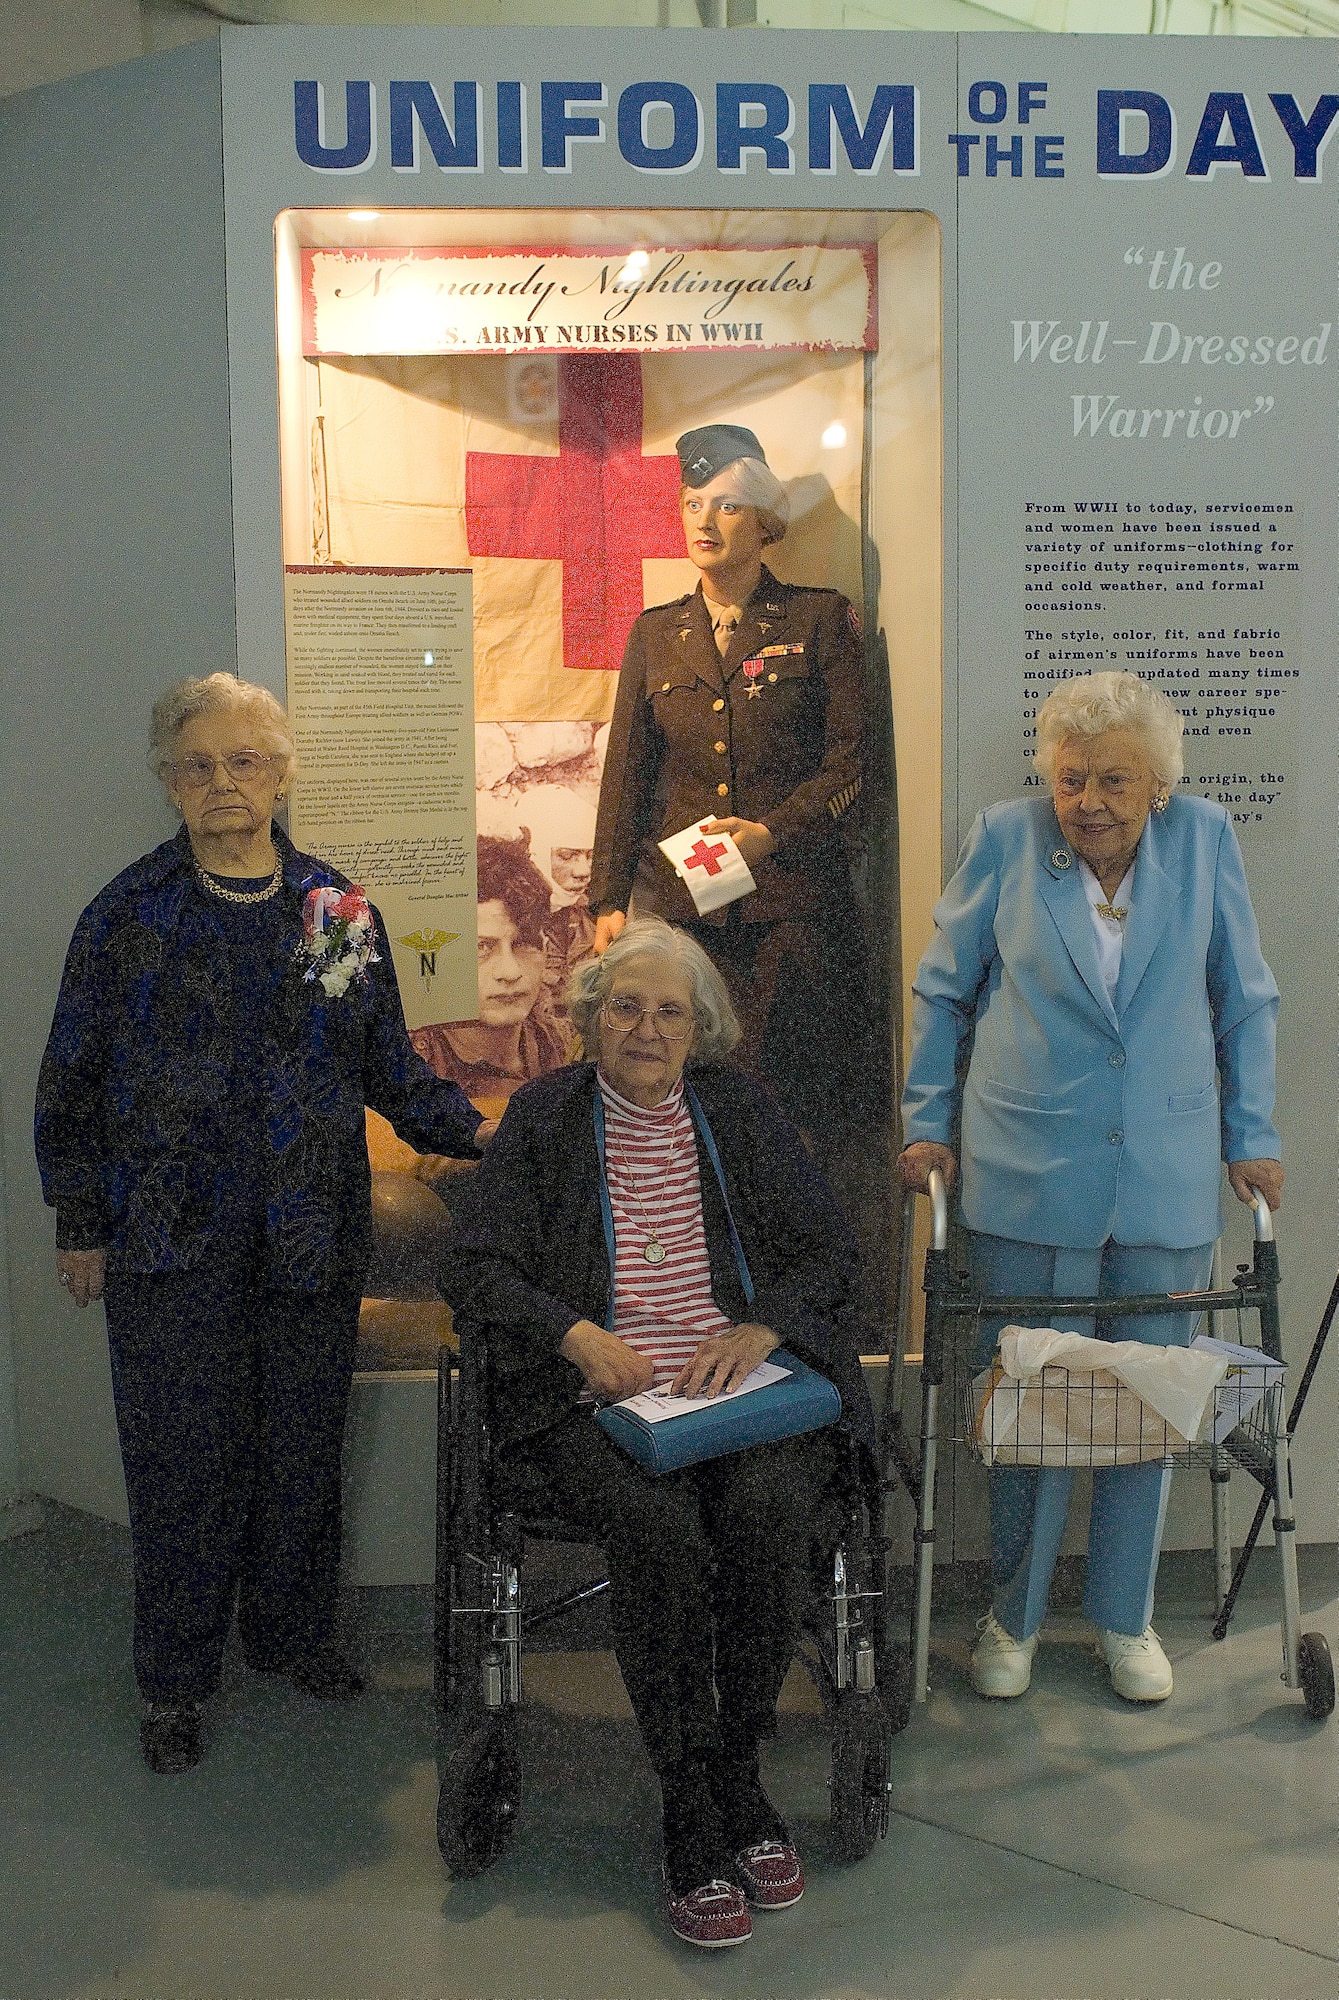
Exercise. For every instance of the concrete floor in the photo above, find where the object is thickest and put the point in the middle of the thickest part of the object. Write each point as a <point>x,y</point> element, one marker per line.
<point>1063,1847</point>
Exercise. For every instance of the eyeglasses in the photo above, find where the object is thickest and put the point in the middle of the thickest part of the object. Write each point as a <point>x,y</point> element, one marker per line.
<point>670,1021</point>
<point>244,767</point>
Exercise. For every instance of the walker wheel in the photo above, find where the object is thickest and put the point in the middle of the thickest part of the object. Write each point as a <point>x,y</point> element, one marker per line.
<point>479,1797</point>
<point>860,1742</point>
<point>1315,1670</point>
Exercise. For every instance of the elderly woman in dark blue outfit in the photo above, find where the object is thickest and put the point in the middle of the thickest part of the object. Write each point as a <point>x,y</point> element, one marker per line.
<point>223,1019</point>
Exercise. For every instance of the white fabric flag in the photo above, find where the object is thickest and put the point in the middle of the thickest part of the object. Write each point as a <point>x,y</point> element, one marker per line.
<point>709,865</point>
<point>467,462</point>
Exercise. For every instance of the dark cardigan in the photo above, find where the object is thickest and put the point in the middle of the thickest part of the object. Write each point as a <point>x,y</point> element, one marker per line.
<point>143,1091</point>
<point>528,1259</point>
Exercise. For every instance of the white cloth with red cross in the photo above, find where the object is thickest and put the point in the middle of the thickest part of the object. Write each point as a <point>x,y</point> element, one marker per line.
<point>710,866</point>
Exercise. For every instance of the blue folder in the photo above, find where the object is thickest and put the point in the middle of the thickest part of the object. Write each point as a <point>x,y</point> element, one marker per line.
<point>804,1401</point>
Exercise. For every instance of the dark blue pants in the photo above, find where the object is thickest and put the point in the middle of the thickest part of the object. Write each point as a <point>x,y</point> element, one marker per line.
<point>230,1402</point>
<point>711,1569</point>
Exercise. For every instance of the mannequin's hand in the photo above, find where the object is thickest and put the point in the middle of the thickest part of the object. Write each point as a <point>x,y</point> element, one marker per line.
<point>750,836</point>
<point>607,927</point>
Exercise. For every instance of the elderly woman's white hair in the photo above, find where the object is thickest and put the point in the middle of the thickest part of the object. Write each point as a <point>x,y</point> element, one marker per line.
<point>718,1029</point>
<point>219,694</point>
<point>754,484</point>
<point>1093,703</point>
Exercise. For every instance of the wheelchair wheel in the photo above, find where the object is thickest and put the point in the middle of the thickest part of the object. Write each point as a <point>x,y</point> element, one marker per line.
<point>479,1797</point>
<point>860,1747</point>
<point>895,1688</point>
<point>1315,1670</point>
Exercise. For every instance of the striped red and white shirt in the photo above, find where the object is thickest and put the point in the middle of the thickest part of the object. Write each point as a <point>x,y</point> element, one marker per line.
<point>663,1310</point>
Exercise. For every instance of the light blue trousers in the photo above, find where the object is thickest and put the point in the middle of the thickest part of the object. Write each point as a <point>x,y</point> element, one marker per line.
<point>1028,1509</point>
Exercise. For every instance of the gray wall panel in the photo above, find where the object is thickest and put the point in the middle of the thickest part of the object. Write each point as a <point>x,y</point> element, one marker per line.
<point>116,575</point>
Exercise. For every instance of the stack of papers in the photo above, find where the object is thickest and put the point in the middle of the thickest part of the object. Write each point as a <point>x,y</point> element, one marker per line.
<point>657,1406</point>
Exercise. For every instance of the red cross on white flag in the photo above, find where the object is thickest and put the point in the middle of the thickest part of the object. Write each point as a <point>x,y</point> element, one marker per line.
<point>599,507</point>
<point>702,856</point>
<point>709,865</point>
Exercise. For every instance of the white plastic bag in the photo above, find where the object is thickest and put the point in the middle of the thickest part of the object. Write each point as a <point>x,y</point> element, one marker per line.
<point>1053,1398</point>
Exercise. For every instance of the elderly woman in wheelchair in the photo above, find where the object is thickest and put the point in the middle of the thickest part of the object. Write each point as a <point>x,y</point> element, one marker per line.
<point>647,1219</point>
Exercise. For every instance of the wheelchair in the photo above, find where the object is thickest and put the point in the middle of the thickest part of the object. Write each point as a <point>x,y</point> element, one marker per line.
<point>483,1617</point>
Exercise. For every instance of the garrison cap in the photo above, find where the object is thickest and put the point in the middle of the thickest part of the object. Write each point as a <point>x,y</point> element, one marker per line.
<point>709,449</point>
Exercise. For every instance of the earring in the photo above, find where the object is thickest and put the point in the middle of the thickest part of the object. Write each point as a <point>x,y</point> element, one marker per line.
<point>1160,803</point>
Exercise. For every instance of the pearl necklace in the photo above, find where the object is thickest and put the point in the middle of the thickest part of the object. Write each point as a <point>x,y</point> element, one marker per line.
<point>216,888</point>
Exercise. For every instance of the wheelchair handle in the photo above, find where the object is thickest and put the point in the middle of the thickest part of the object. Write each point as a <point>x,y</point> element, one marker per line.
<point>939,1210</point>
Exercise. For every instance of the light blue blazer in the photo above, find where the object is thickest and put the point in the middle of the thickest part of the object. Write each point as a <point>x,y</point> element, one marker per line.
<point>1084,1118</point>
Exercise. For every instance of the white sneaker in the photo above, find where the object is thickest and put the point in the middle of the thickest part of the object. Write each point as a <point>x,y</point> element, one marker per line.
<point>1140,1670</point>
<point>1001,1664</point>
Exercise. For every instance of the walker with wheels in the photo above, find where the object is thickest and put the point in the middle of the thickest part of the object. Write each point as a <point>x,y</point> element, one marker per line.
<point>1260,1444</point>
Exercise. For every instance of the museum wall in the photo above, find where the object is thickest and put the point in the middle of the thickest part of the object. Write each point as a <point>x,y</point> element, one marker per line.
<point>128,555</point>
<point>115,243</point>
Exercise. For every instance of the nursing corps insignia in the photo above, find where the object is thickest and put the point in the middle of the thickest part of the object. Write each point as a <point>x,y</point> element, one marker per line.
<point>427,944</point>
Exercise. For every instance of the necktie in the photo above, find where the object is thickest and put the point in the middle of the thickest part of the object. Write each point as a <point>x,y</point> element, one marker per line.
<point>723,629</point>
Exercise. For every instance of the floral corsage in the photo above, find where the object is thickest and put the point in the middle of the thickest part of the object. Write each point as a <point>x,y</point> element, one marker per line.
<point>338,937</point>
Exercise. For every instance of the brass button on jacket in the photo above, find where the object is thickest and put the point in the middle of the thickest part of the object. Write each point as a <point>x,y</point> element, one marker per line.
<point>795,736</point>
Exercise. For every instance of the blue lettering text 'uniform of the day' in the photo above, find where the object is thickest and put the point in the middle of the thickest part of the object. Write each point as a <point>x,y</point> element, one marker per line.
<point>662,127</point>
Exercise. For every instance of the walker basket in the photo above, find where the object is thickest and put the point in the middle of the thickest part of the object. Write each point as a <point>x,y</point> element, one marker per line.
<point>1076,1417</point>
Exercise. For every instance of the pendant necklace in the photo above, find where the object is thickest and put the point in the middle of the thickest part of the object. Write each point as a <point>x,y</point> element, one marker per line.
<point>653,1250</point>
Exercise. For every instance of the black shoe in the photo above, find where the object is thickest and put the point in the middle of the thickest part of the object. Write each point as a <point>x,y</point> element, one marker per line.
<point>171,1737</point>
<point>325,1674</point>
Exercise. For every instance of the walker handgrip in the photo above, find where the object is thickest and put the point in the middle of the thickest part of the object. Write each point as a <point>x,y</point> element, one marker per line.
<point>1264,1220</point>
<point>938,1210</point>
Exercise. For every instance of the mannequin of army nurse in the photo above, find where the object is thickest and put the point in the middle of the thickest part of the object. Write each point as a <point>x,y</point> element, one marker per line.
<point>742,705</point>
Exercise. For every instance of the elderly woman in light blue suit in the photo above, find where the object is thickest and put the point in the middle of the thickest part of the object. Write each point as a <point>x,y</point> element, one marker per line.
<point>1094,1033</point>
